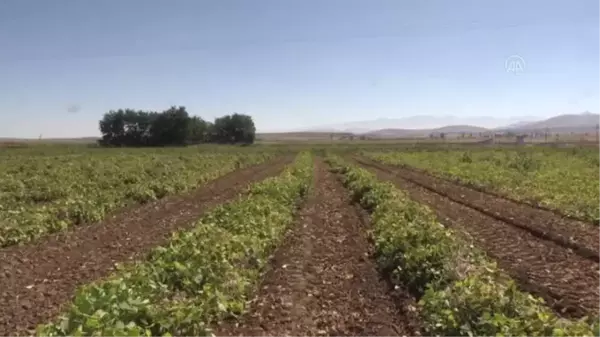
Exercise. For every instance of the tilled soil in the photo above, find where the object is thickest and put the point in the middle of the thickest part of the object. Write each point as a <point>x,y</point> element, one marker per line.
<point>567,281</point>
<point>580,236</point>
<point>38,279</point>
<point>529,202</point>
<point>322,280</point>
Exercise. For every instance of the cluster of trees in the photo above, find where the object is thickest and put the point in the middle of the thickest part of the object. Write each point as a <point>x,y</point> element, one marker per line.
<point>172,127</point>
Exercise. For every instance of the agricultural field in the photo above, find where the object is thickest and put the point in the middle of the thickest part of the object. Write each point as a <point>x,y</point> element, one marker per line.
<point>199,275</point>
<point>565,180</point>
<point>47,193</point>
<point>299,239</point>
<point>461,291</point>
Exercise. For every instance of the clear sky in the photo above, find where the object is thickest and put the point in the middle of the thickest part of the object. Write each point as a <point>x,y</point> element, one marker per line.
<point>293,63</point>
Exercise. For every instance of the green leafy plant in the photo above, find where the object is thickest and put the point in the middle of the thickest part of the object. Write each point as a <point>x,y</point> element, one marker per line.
<point>45,194</point>
<point>565,180</point>
<point>460,292</point>
<point>201,276</point>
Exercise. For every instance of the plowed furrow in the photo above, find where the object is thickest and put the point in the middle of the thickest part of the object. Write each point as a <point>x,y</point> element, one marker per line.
<point>38,279</point>
<point>567,281</point>
<point>322,280</point>
<point>526,203</point>
<point>579,236</point>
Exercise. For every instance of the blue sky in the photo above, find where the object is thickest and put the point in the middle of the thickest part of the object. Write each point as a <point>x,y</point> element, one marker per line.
<point>294,63</point>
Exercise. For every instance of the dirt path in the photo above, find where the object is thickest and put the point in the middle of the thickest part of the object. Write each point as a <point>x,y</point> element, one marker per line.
<point>580,236</point>
<point>322,280</point>
<point>37,279</point>
<point>567,281</point>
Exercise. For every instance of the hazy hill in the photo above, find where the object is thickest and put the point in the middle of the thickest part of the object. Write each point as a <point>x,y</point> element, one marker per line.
<point>584,122</point>
<point>460,129</point>
<point>419,122</point>
<point>396,133</point>
<point>450,129</point>
<point>301,136</point>
<point>423,126</point>
<point>515,125</point>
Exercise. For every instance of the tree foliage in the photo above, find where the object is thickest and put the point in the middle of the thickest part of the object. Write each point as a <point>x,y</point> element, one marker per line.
<point>234,128</point>
<point>173,127</point>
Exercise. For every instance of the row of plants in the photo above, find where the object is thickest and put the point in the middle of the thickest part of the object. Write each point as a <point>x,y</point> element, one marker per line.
<point>460,291</point>
<point>44,194</point>
<point>201,276</point>
<point>563,180</point>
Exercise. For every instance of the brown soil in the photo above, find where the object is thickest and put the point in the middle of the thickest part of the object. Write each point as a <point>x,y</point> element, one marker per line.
<point>568,281</point>
<point>322,280</point>
<point>38,279</point>
<point>579,236</point>
<point>529,202</point>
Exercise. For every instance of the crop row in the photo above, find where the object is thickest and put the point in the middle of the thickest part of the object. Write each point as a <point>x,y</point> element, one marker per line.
<point>201,276</point>
<point>45,194</point>
<point>564,180</point>
<point>460,291</point>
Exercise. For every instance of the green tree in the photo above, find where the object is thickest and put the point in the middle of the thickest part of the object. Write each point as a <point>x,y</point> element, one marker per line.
<point>174,126</point>
<point>236,128</point>
<point>209,134</point>
<point>222,130</point>
<point>170,127</point>
<point>197,130</point>
<point>126,127</point>
<point>112,127</point>
<point>243,129</point>
<point>137,127</point>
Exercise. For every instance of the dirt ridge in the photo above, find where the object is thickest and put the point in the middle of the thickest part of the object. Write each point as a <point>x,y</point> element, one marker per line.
<point>567,281</point>
<point>322,279</point>
<point>576,235</point>
<point>487,190</point>
<point>526,202</point>
<point>39,278</point>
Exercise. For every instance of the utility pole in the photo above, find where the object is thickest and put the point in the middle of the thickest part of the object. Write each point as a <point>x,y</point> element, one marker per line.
<point>597,131</point>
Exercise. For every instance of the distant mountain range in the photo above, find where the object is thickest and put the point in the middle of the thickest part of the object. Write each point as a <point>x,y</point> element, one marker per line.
<point>450,129</point>
<point>420,122</point>
<point>584,122</point>
<point>423,126</point>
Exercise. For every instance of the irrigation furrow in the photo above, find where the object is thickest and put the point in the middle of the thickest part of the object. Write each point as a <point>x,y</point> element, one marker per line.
<point>567,280</point>
<point>322,280</point>
<point>38,279</point>
<point>582,238</point>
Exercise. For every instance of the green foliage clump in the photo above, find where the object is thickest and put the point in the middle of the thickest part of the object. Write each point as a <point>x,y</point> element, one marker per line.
<point>201,276</point>
<point>46,194</point>
<point>460,292</point>
<point>172,127</point>
<point>565,180</point>
<point>485,303</point>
